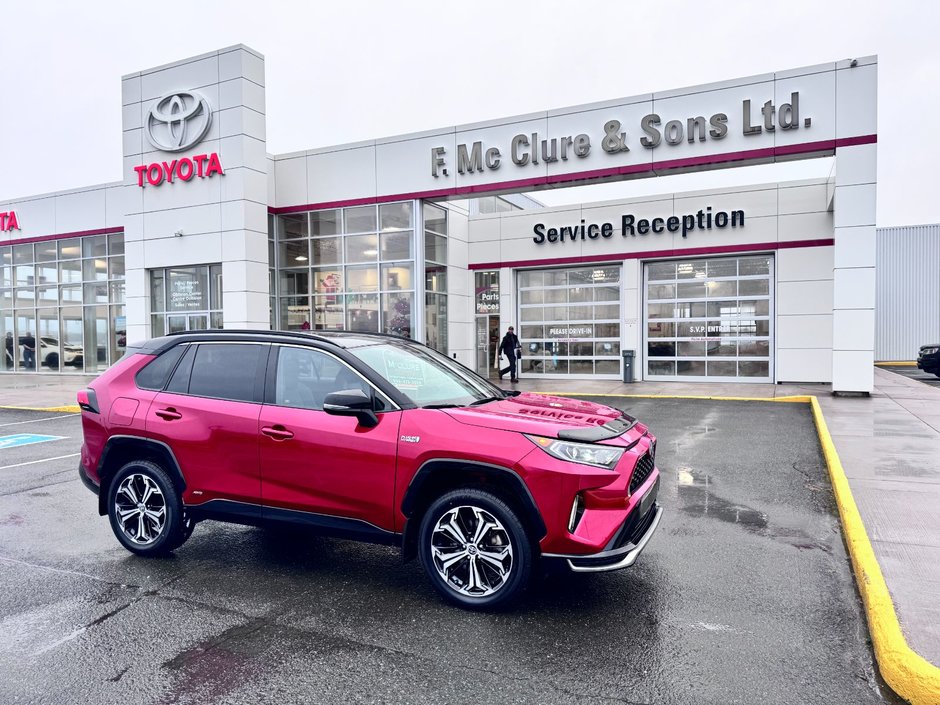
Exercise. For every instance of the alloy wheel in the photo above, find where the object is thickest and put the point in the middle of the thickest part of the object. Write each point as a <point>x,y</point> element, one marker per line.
<point>471,551</point>
<point>140,509</point>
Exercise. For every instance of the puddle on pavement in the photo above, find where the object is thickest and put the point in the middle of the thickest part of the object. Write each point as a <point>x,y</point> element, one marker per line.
<point>698,499</point>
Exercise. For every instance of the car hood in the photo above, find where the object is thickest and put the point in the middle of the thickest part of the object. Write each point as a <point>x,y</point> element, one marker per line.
<point>550,416</point>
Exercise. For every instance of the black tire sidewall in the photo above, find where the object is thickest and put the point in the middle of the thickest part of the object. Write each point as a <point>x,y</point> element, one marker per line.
<point>170,537</point>
<point>519,540</point>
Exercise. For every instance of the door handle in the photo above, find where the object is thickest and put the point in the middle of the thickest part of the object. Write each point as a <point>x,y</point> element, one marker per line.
<point>170,414</point>
<point>278,433</point>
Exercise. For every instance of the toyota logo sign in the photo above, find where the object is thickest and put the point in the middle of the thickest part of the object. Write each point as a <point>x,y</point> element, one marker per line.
<point>178,121</point>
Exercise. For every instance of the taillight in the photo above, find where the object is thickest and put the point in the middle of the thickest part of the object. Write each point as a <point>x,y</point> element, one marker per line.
<point>88,401</point>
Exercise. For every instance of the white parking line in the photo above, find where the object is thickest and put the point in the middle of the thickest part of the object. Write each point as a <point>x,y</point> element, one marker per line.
<point>43,460</point>
<point>47,418</point>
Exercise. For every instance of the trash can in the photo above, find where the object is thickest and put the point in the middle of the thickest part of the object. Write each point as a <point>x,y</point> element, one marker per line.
<point>628,366</point>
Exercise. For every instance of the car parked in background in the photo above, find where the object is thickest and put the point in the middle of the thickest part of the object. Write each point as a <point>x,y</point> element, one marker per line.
<point>928,358</point>
<point>49,353</point>
<point>370,437</point>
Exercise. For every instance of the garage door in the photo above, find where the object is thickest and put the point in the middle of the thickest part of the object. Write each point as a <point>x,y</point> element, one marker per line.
<point>710,320</point>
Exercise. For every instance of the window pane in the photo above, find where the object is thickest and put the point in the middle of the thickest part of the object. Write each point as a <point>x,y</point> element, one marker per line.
<point>397,314</point>
<point>295,281</point>
<point>215,287</point>
<point>435,312</point>
<point>362,248</point>
<point>116,244</point>
<point>659,271</point>
<point>395,216</point>
<point>292,227</point>
<point>23,254</point>
<point>95,246</point>
<point>360,220</point>
<point>328,313</point>
<point>722,268</point>
<point>157,291</point>
<point>48,353</point>
<point>326,250</point>
<point>363,278</point>
<point>662,368</point>
<point>396,277</point>
<point>661,291</point>
<point>70,272</point>
<point>435,219</point>
<point>95,269</point>
<point>45,252</point>
<point>116,266</point>
<point>690,368</point>
<point>328,280</point>
<point>725,288</point>
<point>396,245</point>
<point>435,278</point>
<point>212,371</point>
<point>70,249</point>
<point>325,223</point>
<point>362,312</point>
<point>752,266</point>
<point>694,269</point>
<point>294,253</point>
<point>295,311</point>
<point>754,287</point>
<point>695,290</point>
<point>435,248</point>
<point>188,289</point>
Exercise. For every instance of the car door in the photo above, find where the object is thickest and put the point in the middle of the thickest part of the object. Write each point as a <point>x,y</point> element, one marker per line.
<point>208,416</point>
<point>319,463</point>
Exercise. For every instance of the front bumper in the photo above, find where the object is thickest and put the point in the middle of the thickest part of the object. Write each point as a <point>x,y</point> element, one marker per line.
<point>87,481</point>
<point>627,546</point>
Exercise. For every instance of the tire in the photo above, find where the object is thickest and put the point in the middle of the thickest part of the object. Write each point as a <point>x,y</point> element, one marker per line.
<point>52,361</point>
<point>485,573</point>
<point>146,535</point>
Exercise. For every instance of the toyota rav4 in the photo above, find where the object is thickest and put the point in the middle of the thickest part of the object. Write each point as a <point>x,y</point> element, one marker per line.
<point>369,437</point>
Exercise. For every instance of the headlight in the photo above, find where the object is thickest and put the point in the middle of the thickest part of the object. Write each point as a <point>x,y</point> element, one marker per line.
<point>585,453</point>
<point>929,351</point>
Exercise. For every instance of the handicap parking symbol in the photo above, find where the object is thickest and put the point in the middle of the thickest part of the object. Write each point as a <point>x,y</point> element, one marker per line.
<point>25,439</point>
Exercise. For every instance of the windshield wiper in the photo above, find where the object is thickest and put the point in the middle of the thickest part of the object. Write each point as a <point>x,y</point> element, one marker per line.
<point>442,406</point>
<point>486,400</point>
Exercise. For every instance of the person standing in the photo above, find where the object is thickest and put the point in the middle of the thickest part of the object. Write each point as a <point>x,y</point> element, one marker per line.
<point>512,349</point>
<point>29,351</point>
<point>8,351</point>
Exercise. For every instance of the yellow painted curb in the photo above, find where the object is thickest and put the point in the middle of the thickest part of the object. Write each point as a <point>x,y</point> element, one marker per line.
<point>908,673</point>
<point>896,363</point>
<point>69,408</point>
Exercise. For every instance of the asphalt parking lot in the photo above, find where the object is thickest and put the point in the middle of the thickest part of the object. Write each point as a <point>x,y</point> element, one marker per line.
<point>913,373</point>
<point>744,595</point>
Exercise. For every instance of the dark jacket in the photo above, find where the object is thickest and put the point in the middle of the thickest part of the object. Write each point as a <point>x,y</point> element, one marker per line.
<point>509,345</point>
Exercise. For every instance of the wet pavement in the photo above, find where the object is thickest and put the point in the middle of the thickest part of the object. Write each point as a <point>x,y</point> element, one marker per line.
<point>745,595</point>
<point>912,372</point>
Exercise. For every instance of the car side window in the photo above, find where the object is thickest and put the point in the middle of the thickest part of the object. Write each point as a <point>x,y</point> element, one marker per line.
<point>305,376</point>
<point>155,374</point>
<point>227,371</point>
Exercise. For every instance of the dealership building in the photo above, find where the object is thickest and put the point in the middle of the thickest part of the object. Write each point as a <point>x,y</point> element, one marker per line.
<point>436,236</point>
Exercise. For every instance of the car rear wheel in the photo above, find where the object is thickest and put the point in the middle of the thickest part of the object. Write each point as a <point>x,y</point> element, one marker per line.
<point>474,549</point>
<point>145,510</point>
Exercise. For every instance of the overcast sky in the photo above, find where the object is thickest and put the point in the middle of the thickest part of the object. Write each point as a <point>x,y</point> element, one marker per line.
<point>346,71</point>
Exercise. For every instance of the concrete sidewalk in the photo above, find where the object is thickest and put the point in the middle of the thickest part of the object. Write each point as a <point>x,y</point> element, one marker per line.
<point>889,445</point>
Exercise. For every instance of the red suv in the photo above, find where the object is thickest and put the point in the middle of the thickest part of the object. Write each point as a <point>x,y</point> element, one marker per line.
<point>369,437</point>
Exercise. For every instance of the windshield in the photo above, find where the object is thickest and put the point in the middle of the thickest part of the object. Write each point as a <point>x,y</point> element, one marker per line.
<point>426,377</point>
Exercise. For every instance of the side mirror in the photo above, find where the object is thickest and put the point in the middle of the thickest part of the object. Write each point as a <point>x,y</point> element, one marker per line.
<point>352,402</point>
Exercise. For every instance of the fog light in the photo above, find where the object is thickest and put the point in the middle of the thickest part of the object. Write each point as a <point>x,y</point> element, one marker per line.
<point>577,509</point>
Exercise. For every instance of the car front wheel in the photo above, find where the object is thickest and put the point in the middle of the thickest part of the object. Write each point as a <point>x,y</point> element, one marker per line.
<point>145,509</point>
<point>474,549</point>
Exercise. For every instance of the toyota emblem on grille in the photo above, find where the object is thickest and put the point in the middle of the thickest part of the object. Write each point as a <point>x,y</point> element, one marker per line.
<point>178,121</point>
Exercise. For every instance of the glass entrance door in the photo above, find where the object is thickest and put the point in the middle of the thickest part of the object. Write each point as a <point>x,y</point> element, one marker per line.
<point>487,342</point>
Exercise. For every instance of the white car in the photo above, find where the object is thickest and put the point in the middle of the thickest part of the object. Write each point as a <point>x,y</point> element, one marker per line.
<point>72,354</point>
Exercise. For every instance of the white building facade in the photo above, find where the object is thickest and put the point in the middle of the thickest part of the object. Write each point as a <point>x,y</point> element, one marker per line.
<point>206,229</point>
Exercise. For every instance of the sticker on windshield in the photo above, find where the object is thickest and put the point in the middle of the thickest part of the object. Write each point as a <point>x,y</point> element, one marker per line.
<point>405,373</point>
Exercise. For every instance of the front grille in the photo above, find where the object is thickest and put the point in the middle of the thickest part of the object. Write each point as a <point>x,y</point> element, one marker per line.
<point>644,468</point>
